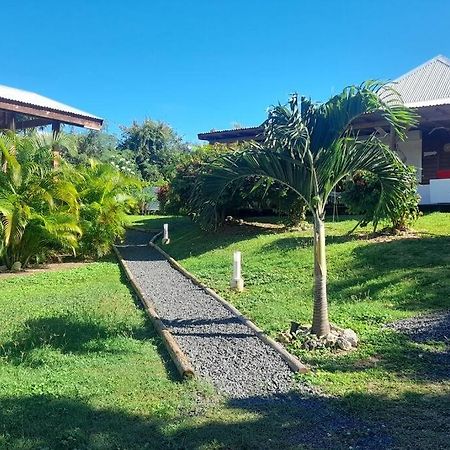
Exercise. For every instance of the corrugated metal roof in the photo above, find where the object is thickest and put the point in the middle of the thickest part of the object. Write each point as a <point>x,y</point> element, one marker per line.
<point>427,84</point>
<point>33,99</point>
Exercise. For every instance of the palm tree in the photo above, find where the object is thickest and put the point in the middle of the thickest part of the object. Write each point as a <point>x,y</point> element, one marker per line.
<point>38,206</point>
<point>309,148</point>
<point>106,198</point>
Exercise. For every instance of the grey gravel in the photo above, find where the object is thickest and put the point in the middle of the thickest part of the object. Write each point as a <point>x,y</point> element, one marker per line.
<point>222,349</point>
<point>424,328</point>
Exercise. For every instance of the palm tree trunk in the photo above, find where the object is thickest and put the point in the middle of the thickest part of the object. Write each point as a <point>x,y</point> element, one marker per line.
<point>321,325</point>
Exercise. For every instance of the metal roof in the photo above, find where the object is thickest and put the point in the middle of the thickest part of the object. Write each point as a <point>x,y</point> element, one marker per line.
<point>427,84</point>
<point>37,100</point>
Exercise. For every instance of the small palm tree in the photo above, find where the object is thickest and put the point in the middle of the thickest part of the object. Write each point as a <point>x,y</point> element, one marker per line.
<point>105,197</point>
<point>38,206</point>
<point>309,148</point>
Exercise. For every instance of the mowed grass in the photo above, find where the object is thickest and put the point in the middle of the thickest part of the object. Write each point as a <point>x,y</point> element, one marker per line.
<point>81,368</point>
<point>389,379</point>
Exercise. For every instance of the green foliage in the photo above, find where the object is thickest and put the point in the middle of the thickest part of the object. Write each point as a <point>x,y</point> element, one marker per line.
<point>311,147</point>
<point>105,198</point>
<point>156,148</point>
<point>47,210</point>
<point>38,205</point>
<point>247,194</point>
<point>361,196</point>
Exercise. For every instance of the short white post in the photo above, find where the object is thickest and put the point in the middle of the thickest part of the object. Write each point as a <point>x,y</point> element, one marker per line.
<point>165,239</point>
<point>237,283</point>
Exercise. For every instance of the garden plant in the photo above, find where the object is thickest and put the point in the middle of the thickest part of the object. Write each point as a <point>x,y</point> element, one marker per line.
<point>310,148</point>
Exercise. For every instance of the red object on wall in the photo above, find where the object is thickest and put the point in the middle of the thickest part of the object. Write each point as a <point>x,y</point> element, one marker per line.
<point>443,174</point>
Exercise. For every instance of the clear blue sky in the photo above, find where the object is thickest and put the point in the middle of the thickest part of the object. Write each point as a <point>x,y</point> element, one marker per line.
<point>204,64</point>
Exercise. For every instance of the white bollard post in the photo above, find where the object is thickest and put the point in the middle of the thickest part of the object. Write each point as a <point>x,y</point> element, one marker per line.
<point>165,239</point>
<point>237,283</point>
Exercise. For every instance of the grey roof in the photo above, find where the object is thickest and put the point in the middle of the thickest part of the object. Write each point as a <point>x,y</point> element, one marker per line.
<point>32,99</point>
<point>427,84</point>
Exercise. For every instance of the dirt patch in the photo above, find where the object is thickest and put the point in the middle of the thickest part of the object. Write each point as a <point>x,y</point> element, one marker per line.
<point>5,274</point>
<point>388,237</point>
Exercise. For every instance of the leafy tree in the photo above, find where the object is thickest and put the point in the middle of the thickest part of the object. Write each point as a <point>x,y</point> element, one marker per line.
<point>246,195</point>
<point>156,148</point>
<point>96,144</point>
<point>38,206</point>
<point>310,148</point>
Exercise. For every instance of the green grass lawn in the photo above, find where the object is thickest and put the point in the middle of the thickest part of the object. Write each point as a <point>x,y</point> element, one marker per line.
<point>81,368</point>
<point>389,379</point>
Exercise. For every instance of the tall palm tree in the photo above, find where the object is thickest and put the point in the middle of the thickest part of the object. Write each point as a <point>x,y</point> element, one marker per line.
<point>38,205</point>
<point>309,148</point>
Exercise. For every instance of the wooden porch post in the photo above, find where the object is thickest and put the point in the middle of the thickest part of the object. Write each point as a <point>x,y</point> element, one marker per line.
<point>56,128</point>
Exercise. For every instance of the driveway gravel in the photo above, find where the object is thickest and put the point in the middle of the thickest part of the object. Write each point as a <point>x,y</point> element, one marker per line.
<point>430,327</point>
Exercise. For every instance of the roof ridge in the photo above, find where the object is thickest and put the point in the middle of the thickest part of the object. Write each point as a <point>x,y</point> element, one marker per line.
<point>441,58</point>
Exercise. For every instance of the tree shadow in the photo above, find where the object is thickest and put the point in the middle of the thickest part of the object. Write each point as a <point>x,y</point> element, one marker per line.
<point>62,333</point>
<point>396,354</point>
<point>285,421</point>
<point>419,267</point>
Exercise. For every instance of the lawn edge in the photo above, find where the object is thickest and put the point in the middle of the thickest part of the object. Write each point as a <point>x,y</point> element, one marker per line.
<point>294,363</point>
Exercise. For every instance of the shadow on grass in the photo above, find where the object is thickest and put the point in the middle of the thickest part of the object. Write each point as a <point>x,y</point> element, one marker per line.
<point>282,422</point>
<point>409,420</point>
<point>396,354</point>
<point>418,268</point>
<point>62,333</point>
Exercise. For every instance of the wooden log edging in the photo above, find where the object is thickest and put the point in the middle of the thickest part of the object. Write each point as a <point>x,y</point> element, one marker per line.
<point>294,363</point>
<point>177,355</point>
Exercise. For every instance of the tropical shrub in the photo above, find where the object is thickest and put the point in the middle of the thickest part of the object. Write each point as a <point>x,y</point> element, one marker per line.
<point>361,196</point>
<point>105,199</point>
<point>38,205</point>
<point>248,195</point>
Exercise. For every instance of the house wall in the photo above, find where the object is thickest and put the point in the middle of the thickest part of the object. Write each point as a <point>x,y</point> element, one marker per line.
<point>410,151</point>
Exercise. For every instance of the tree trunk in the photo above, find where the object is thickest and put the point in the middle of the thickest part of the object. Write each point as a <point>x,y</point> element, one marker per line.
<point>321,325</point>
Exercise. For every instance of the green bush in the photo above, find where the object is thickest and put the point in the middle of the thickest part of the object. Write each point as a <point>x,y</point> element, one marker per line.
<point>247,195</point>
<point>105,199</point>
<point>38,204</point>
<point>48,211</point>
<point>361,196</point>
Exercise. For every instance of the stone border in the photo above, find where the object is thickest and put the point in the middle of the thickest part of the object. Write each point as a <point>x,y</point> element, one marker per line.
<point>293,362</point>
<point>179,358</point>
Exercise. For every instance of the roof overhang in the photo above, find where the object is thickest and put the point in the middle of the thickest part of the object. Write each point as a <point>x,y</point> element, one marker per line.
<point>235,135</point>
<point>431,114</point>
<point>22,109</point>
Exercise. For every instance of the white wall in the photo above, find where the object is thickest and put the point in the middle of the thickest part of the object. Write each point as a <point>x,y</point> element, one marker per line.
<point>410,151</point>
<point>440,191</point>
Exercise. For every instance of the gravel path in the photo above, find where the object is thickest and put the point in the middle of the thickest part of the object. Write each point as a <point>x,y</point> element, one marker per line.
<point>431,327</point>
<point>220,347</point>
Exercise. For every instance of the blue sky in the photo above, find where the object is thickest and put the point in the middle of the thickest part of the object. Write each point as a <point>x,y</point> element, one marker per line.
<point>209,64</point>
